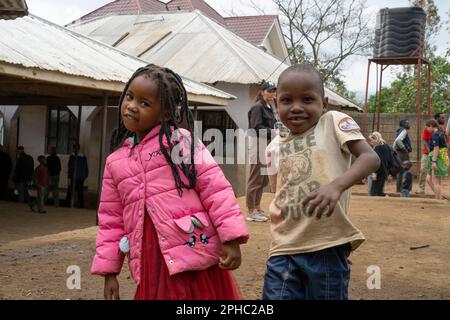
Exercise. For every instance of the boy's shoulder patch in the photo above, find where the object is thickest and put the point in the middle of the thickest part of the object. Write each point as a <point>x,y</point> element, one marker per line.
<point>348,124</point>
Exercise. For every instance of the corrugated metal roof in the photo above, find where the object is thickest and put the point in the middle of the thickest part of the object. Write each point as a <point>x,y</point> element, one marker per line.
<point>193,45</point>
<point>254,29</point>
<point>35,43</point>
<point>11,9</point>
<point>197,46</point>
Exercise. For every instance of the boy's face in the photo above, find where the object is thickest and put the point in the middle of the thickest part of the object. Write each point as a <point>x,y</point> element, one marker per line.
<point>300,101</point>
<point>430,129</point>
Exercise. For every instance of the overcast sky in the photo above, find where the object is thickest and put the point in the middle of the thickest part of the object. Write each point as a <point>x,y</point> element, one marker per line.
<point>354,71</point>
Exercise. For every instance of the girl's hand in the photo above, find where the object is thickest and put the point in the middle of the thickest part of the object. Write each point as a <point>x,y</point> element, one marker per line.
<point>323,200</point>
<point>111,287</point>
<point>231,255</point>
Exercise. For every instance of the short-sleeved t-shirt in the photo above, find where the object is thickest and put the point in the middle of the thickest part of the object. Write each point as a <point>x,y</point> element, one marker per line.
<point>426,135</point>
<point>437,140</point>
<point>302,164</point>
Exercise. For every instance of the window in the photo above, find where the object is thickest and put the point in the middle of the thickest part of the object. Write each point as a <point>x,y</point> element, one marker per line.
<point>62,129</point>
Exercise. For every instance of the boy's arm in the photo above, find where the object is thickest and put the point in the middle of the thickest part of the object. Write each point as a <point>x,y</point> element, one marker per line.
<point>326,198</point>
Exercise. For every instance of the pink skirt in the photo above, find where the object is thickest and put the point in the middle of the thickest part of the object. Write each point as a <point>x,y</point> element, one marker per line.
<point>157,284</point>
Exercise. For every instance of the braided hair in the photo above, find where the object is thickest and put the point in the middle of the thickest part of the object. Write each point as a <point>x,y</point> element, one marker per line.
<point>173,100</point>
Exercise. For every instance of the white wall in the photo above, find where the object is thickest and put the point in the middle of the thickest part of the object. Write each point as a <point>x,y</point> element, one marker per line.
<point>33,126</point>
<point>93,142</point>
<point>238,109</point>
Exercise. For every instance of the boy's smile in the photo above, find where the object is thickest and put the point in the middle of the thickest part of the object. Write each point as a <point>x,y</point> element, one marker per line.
<point>300,101</point>
<point>141,108</point>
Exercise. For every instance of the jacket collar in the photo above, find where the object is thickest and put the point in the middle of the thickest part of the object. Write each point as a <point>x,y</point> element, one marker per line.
<point>132,141</point>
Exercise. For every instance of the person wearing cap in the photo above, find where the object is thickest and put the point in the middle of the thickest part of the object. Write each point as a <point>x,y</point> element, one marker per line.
<point>23,174</point>
<point>261,118</point>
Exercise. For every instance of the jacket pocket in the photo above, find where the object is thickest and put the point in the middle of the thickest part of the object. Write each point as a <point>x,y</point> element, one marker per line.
<point>189,223</point>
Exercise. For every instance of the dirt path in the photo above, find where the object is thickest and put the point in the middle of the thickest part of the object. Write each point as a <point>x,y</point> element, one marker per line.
<point>36,251</point>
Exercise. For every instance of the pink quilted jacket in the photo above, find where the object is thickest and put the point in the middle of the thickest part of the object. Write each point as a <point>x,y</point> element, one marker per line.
<point>138,180</point>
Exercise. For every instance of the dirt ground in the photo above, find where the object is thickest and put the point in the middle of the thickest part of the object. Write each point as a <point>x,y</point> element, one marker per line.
<point>36,250</point>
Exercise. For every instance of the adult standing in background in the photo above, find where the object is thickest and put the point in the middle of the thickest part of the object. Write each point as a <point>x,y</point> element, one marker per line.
<point>54,171</point>
<point>403,146</point>
<point>23,173</point>
<point>261,118</point>
<point>82,173</point>
<point>5,171</point>
<point>379,177</point>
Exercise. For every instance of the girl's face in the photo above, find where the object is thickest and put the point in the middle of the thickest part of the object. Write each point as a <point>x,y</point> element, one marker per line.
<point>430,129</point>
<point>300,101</point>
<point>141,107</point>
<point>269,95</point>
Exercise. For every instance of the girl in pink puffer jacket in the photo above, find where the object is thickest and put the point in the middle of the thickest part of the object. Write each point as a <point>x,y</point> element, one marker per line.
<point>165,203</point>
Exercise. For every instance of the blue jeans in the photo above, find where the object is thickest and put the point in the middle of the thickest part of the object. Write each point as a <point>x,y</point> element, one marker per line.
<point>321,275</point>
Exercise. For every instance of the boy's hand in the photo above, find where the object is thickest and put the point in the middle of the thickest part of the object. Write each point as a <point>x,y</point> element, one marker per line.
<point>111,287</point>
<point>231,255</point>
<point>323,200</point>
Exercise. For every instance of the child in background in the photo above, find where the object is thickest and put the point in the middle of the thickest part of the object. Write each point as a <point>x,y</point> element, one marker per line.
<point>165,202</point>
<point>438,159</point>
<point>312,235</point>
<point>41,181</point>
<point>407,179</point>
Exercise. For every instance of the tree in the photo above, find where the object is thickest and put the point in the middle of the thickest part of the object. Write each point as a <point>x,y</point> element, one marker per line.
<point>325,32</point>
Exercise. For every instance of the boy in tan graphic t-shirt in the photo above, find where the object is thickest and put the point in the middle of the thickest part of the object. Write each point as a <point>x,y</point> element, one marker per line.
<point>311,173</point>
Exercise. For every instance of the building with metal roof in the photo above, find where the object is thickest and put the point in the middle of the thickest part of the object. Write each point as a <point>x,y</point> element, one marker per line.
<point>53,79</point>
<point>259,30</point>
<point>200,48</point>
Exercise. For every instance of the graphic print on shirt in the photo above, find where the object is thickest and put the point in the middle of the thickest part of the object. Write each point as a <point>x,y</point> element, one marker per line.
<point>295,172</point>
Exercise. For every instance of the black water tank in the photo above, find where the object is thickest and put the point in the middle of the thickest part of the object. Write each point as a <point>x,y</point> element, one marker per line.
<point>399,33</point>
